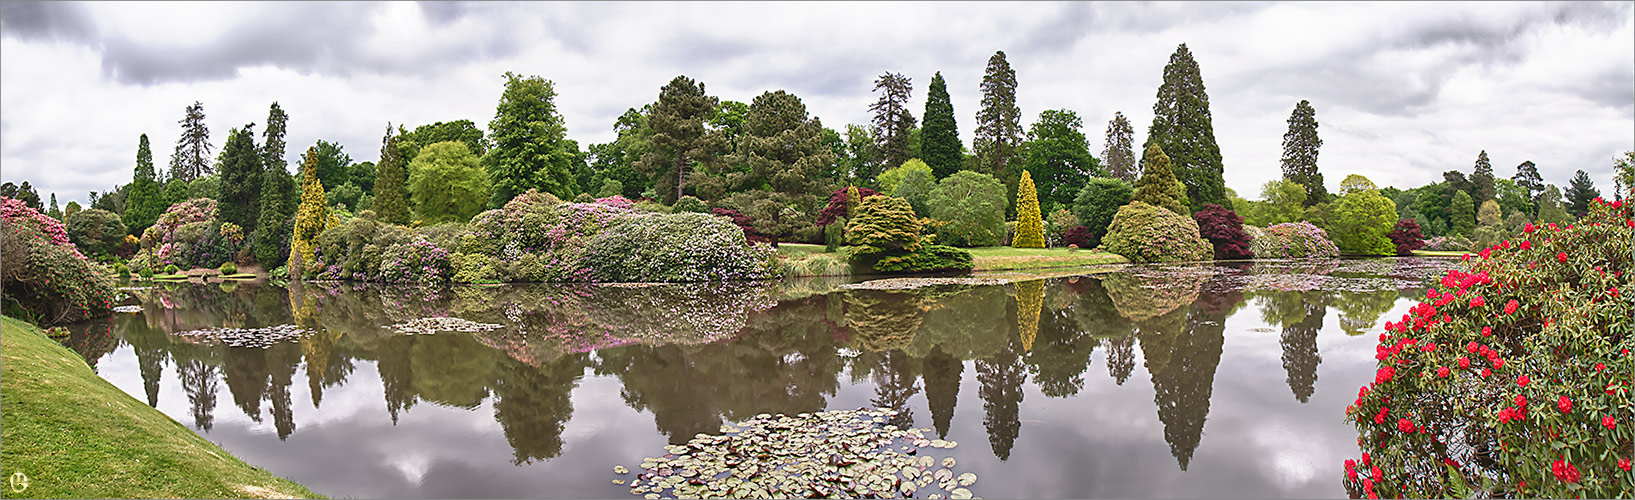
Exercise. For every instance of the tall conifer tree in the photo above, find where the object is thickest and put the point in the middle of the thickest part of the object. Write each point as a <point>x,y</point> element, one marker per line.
<point>1183,127</point>
<point>146,199</point>
<point>892,121</point>
<point>192,157</point>
<point>679,138</point>
<point>1482,178</point>
<point>940,146</point>
<point>391,177</point>
<point>999,122</point>
<point>1119,150</point>
<point>1300,148</point>
<point>1527,177</point>
<point>240,179</point>
<point>1579,194</point>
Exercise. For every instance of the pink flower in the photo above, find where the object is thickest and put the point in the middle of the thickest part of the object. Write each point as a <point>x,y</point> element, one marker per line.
<point>1565,404</point>
<point>1510,307</point>
<point>1522,380</point>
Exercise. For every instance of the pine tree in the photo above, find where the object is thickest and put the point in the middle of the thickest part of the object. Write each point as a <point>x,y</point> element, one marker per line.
<point>146,199</point>
<point>192,157</point>
<point>1158,186</point>
<point>1300,148</point>
<point>1579,194</point>
<point>892,121</point>
<point>54,211</point>
<point>240,179</point>
<point>270,239</point>
<point>530,142</point>
<point>1029,223</point>
<point>1482,178</point>
<point>310,218</point>
<point>391,175</point>
<point>940,146</point>
<point>1461,214</point>
<point>1527,177</point>
<point>1119,152</point>
<point>1183,127</point>
<point>999,122</point>
<point>679,138</point>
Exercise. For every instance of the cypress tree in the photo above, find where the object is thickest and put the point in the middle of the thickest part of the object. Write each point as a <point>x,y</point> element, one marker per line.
<point>1029,222</point>
<point>940,146</point>
<point>1119,152</point>
<point>1300,148</point>
<point>892,121</point>
<point>1158,186</point>
<point>192,157</point>
<point>240,179</point>
<point>270,240</point>
<point>391,200</point>
<point>1482,178</point>
<point>1183,127</point>
<point>147,198</point>
<point>1579,194</point>
<point>999,122</point>
<point>56,212</point>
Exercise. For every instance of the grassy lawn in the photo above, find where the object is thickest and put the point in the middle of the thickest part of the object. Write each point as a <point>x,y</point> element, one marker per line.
<point>76,436</point>
<point>996,258</point>
<point>798,249</point>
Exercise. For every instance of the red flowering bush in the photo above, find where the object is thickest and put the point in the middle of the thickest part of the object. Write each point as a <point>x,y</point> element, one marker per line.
<point>1224,230</point>
<point>46,279</point>
<point>1512,378</point>
<point>1406,235</point>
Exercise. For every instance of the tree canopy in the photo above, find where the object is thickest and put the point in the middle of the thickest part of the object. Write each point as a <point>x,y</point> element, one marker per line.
<point>1183,126</point>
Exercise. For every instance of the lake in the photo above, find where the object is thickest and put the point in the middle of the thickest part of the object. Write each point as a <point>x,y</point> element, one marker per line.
<point>1158,381</point>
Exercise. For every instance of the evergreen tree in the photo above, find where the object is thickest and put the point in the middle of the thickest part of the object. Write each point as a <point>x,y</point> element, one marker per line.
<point>310,218</point>
<point>240,179</point>
<point>1119,153</point>
<point>1550,208</point>
<point>272,140</point>
<point>192,157</point>
<point>1579,194</point>
<point>1482,180</point>
<point>1300,148</point>
<point>892,121</point>
<point>679,138</point>
<point>1157,185</point>
<point>940,146</point>
<point>54,211</point>
<point>781,146</point>
<point>1058,155</point>
<point>391,177</point>
<point>147,197</point>
<point>1461,214</point>
<point>1527,177</point>
<point>26,194</point>
<point>1183,127</point>
<point>530,147</point>
<point>999,122</point>
<point>1029,223</point>
<point>278,197</point>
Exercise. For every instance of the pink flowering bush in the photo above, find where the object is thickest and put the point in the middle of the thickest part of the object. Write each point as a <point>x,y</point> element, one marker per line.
<point>1512,378</point>
<point>46,279</point>
<point>1292,240</point>
<point>187,235</point>
<point>677,248</point>
<point>1147,233</point>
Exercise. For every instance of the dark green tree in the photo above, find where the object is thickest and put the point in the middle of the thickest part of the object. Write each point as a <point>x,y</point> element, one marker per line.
<point>55,212</point>
<point>1579,194</point>
<point>530,146</point>
<point>1527,178</point>
<point>1482,179</point>
<point>391,181</point>
<point>1096,204</point>
<point>192,157</point>
<point>1461,214</point>
<point>729,121</point>
<point>860,163</point>
<point>1300,148</point>
<point>26,194</point>
<point>362,175</point>
<point>892,121</point>
<point>679,139</point>
<point>272,140</point>
<point>1183,126</point>
<point>332,162</point>
<point>1119,153</point>
<point>1158,186</point>
<point>1058,156</point>
<point>781,146</point>
<point>147,197</point>
<point>940,146</point>
<point>240,179</point>
<point>999,122</point>
<point>463,131</point>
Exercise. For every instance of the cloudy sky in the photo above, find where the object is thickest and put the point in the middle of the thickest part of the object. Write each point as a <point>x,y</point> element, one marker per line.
<point>1403,91</point>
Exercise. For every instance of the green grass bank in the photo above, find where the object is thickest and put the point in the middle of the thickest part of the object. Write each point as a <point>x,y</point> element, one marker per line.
<point>74,435</point>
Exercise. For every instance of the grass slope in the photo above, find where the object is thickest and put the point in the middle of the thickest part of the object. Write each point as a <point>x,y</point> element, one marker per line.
<point>76,436</point>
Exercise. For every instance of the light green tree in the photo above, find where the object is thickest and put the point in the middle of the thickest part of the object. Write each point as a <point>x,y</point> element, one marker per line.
<point>1490,214</point>
<point>530,146</point>
<point>1362,218</point>
<point>447,183</point>
<point>1157,185</point>
<point>1461,214</point>
<point>888,179</point>
<point>973,205</point>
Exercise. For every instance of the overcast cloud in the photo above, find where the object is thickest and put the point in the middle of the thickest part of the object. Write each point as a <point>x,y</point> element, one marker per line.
<point>1403,91</point>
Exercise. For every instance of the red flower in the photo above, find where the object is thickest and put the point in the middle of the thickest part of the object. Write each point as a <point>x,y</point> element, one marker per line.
<point>1521,400</point>
<point>1350,469</point>
<point>1522,380</point>
<point>1379,419</point>
<point>1384,375</point>
<point>1471,347</point>
<point>1565,404</point>
<point>1564,471</point>
<point>1510,307</point>
<point>1464,362</point>
<point>1528,228</point>
<point>1486,372</point>
<point>1477,301</point>
<point>1623,463</point>
<point>1365,457</point>
<point>1561,257</point>
<point>1428,347</point>
<point>1498,363</point>
<point>1442,372</point>
<point>1406,426</point>
<point>1600,366</point>
<point>1609,422</point>
<point>1487,331</point>
<point>1525,244</point>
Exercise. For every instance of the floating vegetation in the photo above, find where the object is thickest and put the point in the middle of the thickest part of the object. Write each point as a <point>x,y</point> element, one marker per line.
<point>133,288</point>
<point>834,454</point>
<point>245,337</point>
<point>128,309</point>
<point>912,283</point>
<point>427,326</point>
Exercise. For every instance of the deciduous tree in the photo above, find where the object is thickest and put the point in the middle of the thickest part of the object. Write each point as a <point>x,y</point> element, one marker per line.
<point>530,147</point>
<point>1058,156</point>
<point>1362,219</point>
<point>447,183</point>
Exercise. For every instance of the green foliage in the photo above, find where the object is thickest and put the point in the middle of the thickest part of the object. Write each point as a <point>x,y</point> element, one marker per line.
<point>271,238</point>
<point>617,160</point>
<point>1550,208</point>
<point>1489,214</point>
<point>473,268</point>
<point>1096,204</point>
<point>447,184</point>
<point>776,216</point>
<point>1146,233</point>
<point>1057,224</point>
<point>973,205</point>
<point>1461,214</point>
<point>45,277</point>
<point>1119,154</point>
<point>1363,218</point>
<point>96,232</point>
<point>345,195</point>
<point>940,147</point>
<point>999,121</point>
<point>930,258</point>
<point>462,131</point>
<point>391,182</point>
<point>328,159</point>
<point>228,268</point>
<point>1531,357</point>
<point>782,147</point>
<point>1157,185</point>
<point>889,179</point>
<point>679,139</point>
<point>916,187</point>
<point>171,269</point>
<point>882,226</point>
<point>530,146</point>
<point>1481,179</point>
<point>690,204</point>
<point>207,186</point>
<point>892,121</point>
<point>192,157</point>
<point>146,197</point>
<point>1300,150</point>
<point>1058,155</point>
<point>1029,226</point>
<point>1512,198</point>
<point>676,248</point>
<point>241,177</point>
<point>1183,127</point>
<point>1579,194</point>
<point>1282,201</point>
<point>610,188</point>
<point>311,216</point>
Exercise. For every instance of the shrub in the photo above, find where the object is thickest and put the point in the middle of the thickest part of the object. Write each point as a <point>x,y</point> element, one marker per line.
<point>120,270</point>
<point>228,268</point>
<point>147,273</point>
<point>689,204</point>
<point>1448,244</point>
<point>653,206</point>
<point>46,279</point>
<point>617,201</point>
<point>1058,224</point>
<point>674,248</point>
<point>882,226</point>
<point>1079,237</point>
<point>1224,230</point>
<point>1291,240</point>
<point>171,269</point>
<point>1362,217</point>
<point>418,261</point>
<point>1406,237</point>
<point>1146,233</point>
<point>928,259</point>
<point>610,188</point>
<point>973,205</point>
<point>891,177</point>
<point>1486,236</point>
<point>1029,226</point>
<point>838,203</point>
<point>1513,378</point>
<point>474,268</point>
<point>584,198</point>
<point>96,231</point>
<point>1096,204</point>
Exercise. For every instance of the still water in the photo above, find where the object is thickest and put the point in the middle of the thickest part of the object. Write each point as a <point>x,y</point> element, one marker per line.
<point>1144,382</point>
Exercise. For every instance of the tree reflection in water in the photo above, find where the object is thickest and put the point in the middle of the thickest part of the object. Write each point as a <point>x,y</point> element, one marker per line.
<point>1301,316</point>
<point>1001,378</point>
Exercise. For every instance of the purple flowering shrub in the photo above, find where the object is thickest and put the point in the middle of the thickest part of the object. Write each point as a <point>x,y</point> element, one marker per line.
<point>1147,233</point>
<point>1293,240</point>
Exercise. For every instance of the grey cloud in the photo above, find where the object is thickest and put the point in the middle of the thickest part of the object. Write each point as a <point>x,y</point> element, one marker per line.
<point>46,21</point>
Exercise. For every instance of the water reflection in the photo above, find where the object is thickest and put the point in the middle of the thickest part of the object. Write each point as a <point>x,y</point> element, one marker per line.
<point>690,358</point>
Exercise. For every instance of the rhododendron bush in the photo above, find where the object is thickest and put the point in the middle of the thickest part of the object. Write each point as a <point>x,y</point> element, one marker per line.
<point>1292,240</point>
<point>188,235</point>
<point>1513,377</point>
<point>46,279</point>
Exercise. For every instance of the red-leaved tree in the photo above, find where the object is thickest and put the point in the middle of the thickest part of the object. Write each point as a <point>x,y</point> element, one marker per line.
<point>1407,237</point>
<point>1224,229</point>
<point>837,205</point>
